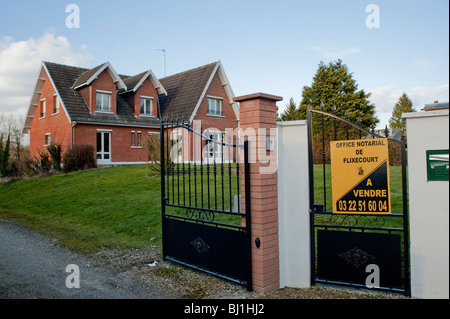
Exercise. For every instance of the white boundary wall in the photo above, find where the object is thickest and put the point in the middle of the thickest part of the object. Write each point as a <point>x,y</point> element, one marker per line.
<point>428,206</point>
<point>293,204</point>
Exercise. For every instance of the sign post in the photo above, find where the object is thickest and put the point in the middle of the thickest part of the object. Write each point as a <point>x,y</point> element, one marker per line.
<point>360,176</point>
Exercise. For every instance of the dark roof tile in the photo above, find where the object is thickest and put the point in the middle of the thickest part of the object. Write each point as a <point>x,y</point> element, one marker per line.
<point>184,91</point>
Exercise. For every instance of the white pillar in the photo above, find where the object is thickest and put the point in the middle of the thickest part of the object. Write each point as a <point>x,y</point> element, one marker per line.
<point>428,206</point>
<point>293,204</point>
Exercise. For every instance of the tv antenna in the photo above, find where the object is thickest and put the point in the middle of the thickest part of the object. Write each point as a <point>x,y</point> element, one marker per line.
<point>164,51</point>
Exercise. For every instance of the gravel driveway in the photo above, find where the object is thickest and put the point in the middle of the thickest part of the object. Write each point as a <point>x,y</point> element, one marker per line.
<point>34,266</point>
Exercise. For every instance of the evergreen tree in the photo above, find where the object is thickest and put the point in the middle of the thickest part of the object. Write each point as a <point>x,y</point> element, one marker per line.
<point>4,156</point>
<point>335,91</point>
<point>1,154</point>
<point>404,104</point>
<point>291,112</point>
<point>334,85</point>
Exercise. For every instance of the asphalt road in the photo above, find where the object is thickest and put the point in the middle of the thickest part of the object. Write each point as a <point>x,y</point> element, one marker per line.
<point>33,266</point>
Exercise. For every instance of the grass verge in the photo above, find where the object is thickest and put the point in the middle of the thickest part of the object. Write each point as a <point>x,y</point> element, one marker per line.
<point>89,210</point>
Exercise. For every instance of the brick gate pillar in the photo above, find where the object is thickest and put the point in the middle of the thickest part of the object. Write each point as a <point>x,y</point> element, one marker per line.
<point>258,125</point>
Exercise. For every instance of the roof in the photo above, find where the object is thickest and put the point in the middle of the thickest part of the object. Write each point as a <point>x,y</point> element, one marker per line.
<point>134,82</point>
<point>65,78</point>
<point>186,90</point>
<point>88,76</point>
<point>179,94</point>
<point>436,106</point>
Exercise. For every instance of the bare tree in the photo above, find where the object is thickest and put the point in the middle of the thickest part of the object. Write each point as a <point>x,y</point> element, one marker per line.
<point>13,125</point>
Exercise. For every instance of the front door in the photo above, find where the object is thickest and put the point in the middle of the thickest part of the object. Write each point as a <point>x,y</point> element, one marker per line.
<point>103,147</point>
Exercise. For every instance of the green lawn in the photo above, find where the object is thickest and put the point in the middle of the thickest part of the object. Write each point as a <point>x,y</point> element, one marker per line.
<point>118,206</point>
<point>210,189</point>
<point>89,210</point>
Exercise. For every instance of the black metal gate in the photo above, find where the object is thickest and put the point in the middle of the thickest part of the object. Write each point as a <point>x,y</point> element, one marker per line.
<point>203,226</point>
<point>351,249</point>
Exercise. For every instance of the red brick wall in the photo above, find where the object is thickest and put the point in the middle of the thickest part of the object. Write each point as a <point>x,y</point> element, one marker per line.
<point>259,111</point>
<point>57,125</point>
<point>121,149</point>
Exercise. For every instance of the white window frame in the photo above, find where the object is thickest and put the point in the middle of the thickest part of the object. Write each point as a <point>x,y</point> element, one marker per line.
<point>133,133</point>
<point>43,107</point>
<point>102,152</point>
<point>102,107</point>
<point>48,139</point>
<point>136,139</point>
<point>56,108</point>
<point>216,112</point>
<point>150,99</point>
<point>217,149</point>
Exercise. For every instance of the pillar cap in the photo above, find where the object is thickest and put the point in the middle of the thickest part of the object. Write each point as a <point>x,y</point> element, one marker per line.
<point>258,95</point>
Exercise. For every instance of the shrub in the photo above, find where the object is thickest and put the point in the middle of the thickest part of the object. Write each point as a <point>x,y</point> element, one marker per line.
<point>55,153</point>
<point>154,152</point>
<point>45,164</point>
<point>80,157</point>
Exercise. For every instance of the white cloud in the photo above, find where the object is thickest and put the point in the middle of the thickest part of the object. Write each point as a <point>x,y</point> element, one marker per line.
<point>20,62</point>
<point>332,52</point>
<point>385,98</point>
<point>424,65</point>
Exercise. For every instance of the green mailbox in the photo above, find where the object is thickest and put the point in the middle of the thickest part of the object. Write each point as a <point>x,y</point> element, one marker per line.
<point>437,165</point>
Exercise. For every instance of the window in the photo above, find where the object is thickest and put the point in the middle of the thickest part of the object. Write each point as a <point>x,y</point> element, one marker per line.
<point>55,104</point>
<point>214,150</point>
<point>214,106</point>
<point>42,107</point>
<point>103,146</point>
<point>138,139</point>
<point>146,106</point>
<point>103,101</point>
<point>135,139</point>
<point>48,139</point>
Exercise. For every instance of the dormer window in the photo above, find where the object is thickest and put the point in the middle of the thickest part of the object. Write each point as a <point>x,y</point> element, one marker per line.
<point>146,106</point>
<point>103,101</point>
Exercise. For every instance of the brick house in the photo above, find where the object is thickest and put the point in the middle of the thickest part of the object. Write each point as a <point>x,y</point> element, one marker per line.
<point>116,113</point>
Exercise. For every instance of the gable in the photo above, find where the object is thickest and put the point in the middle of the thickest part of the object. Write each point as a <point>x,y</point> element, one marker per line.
<point>43,77</point>
<point>221,86</point>
<point>133,83</point>
<point>184,91</point>
<point>87,77</point>
<point>187,90</point>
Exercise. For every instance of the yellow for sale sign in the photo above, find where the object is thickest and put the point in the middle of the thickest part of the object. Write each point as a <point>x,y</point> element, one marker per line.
<point>360,176</point>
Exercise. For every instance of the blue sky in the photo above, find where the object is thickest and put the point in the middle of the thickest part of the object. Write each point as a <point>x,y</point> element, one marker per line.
<point>265,46</point>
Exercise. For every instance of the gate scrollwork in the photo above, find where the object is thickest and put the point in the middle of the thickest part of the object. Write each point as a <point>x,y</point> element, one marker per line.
<point>200,214</point>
